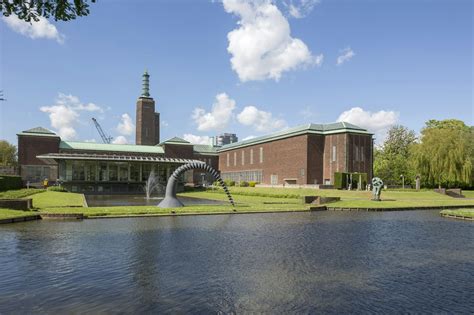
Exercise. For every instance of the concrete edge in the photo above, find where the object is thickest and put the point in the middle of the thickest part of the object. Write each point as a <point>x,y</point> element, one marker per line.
<point>401,208</point>
<point>20,219</point>
<point>458,217</point>
<point>84,201</point>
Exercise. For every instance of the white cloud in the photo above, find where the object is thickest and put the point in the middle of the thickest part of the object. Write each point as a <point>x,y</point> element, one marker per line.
<point>347,54</point>
<point>218,118</point>
<point>120,140</point>
<point>259,119</point>
<point>90,140</point>
<point>248,138</point>
<point>164,123</point>
<point>41,29</point>
<point>197,139</point>
<point>300,9</point>
<point>262,46</point>
<point>65,114</point>
<point>126,126</point>
<point>377,122</point>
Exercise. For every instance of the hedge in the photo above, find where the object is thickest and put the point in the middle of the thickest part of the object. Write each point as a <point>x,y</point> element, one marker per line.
<point>10,182</point>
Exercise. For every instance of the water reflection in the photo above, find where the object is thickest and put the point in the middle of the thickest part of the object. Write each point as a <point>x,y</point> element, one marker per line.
<point>134,200</point>
<point>329,262</point>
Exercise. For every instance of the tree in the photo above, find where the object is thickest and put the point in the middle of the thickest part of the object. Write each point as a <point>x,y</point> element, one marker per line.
<point>8,154</point>
<point>444,156</point>
<point>392,160</point>
<point>60,10</point>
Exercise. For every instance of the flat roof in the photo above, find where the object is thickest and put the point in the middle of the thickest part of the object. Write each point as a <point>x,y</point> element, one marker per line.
<point>322,129</point>
<point>51,158</point>
<point>93,146</point>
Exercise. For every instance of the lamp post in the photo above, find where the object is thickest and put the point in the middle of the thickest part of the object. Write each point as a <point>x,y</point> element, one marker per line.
<point>403,181</point>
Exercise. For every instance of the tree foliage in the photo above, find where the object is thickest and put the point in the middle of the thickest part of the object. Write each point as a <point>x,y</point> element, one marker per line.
<point>60,10</point>
<point>444,157</point>
<point>8,153</point>
<point>393,159</point>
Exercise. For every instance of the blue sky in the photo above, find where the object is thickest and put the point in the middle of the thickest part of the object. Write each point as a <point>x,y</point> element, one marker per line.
<point>237,66</point>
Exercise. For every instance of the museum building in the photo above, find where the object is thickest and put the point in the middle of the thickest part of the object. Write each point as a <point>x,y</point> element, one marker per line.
<point>305,155</point>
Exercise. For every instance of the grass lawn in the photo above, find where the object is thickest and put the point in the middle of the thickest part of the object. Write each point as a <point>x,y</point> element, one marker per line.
<point>468,193</point>
<point>461,212</point>
<point>247,199</point>
<point>10,214</point>
<point>356,199</point>
<point>20,193</point>
<point>54,199</point>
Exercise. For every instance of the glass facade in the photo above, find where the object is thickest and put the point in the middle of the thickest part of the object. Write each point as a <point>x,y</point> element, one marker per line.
<point>120,172</point>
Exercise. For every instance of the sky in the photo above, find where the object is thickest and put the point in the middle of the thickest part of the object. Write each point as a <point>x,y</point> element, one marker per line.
<point>246,67</point>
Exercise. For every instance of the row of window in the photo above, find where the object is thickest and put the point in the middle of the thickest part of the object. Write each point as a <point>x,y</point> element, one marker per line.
<point>243,158</point>
<point>247,176</point>
<point>358,153</point>
<point>112,171</point>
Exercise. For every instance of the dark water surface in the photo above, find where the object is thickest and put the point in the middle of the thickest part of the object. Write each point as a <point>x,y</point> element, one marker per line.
<point>139,200</point>
<point>331,262</point>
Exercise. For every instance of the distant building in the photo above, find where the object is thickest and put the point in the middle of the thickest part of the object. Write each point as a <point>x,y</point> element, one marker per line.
<point>225,138</point>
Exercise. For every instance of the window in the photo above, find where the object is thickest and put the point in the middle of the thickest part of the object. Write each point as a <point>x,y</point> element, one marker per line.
<point>228,158</point>
<point>362,154</point>
<point>235,158</point>
<point>261,155</point>
<point>78,171</point>
<point>102,171</point>
<point>251,156</point>
<point>91,171</point>
<point>334,153</point>
<point>123,172</point>
<point>356,153</point>
<point>134,172</point>
<point>113,172</point>
<point>243,157</point>
<point>146,170</point>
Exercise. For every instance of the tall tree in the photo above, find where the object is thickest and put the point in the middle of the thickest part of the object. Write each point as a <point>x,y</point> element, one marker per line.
<point>391,161</point>
<point>60,10</point>
<point>445,154</point>
<point>8,153</point>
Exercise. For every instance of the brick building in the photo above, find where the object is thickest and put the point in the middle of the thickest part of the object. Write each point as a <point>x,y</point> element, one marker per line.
<point>304,155</point>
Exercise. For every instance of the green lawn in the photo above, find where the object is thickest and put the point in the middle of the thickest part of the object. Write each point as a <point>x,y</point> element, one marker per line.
<point>54,199</point>
<point>247,200</point>
<point>356,199</point>
<point>461,212</point>
<point>10,214</point>
<point>20,193</point>
<point>468,193</point>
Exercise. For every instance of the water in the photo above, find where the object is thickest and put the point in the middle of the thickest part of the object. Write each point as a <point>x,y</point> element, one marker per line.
<point>331,262</point>
<point>134,200</point>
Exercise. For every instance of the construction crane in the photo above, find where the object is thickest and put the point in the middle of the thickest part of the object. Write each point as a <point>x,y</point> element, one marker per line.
<point>105,138</point>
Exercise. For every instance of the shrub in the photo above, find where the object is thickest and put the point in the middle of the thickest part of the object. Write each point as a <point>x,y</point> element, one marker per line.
<point>9,182</point>
<point>57,188</point>
<point>252,184</point>
<point>229,183</point>
<point>244,184</point>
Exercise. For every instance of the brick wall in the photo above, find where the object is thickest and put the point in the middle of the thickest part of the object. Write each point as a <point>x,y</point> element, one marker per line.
<point>286,158</point>
<point>315,159</point>
<point>31,146</point>
<point>145,122</point>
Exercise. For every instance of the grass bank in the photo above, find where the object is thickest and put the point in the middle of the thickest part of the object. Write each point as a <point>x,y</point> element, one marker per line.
<point>468,213</point>
<point>247,199</point>
<point>20,193</point>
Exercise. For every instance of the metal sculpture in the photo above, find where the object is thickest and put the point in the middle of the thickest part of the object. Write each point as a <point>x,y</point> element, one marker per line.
<point>377,185</point>
<point>171,201</point>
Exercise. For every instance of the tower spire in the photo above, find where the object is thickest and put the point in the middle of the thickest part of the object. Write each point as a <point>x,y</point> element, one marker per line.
<point>146,84</point>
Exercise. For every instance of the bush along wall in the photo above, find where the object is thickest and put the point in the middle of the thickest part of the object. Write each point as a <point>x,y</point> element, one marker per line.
<point>10,182</point>
<point>341,180</point>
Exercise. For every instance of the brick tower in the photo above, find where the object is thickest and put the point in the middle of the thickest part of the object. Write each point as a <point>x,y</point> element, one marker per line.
<point>147,120</point>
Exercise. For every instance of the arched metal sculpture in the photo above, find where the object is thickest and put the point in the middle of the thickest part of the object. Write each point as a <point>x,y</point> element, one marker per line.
<point>171,201</point>
<point>377,185</point>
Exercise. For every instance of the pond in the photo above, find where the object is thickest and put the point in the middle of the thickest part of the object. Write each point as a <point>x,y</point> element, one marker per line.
<point>138,200</point>
<point>312,262</point>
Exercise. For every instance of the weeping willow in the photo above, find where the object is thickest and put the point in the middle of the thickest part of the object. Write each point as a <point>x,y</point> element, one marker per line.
<point>445,154</point>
